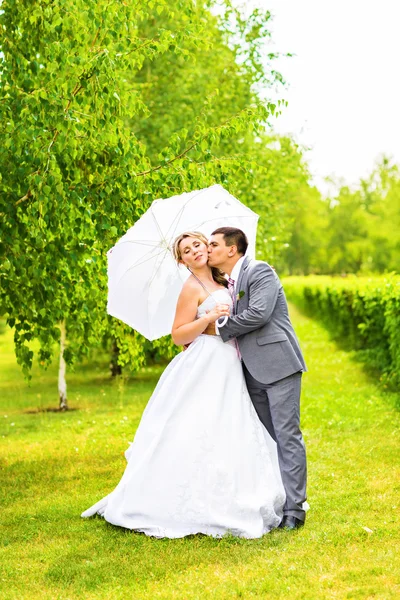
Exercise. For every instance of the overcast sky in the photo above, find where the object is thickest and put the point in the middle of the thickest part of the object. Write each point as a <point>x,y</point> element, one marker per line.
<point>344,83</point>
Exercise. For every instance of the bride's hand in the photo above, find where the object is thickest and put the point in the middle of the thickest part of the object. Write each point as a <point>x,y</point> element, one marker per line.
<point>220,310</point>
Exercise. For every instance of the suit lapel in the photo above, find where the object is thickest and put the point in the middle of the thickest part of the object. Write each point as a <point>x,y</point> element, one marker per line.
<point>242,271</point>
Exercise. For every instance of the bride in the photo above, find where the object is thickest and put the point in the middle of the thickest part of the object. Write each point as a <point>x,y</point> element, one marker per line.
<point>201,460</point>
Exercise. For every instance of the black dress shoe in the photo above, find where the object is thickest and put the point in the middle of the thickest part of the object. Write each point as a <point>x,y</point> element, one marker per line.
<point>289,522</point>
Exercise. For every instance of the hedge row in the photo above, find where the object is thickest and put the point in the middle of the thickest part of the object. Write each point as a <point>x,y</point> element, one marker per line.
<point>363,311</point>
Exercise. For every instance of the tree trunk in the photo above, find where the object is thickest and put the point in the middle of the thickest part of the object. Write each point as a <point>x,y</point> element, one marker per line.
<point>115,368</point>
<point>62,384</point>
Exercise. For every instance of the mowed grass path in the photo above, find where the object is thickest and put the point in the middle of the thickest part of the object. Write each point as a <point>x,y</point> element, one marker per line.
<point>53,466</point>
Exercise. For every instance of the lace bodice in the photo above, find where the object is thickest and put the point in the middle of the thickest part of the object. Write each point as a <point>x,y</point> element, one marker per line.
<point>219,296</point>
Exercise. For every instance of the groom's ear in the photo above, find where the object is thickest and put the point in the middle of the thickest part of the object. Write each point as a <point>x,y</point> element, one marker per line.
<point>232,250</point>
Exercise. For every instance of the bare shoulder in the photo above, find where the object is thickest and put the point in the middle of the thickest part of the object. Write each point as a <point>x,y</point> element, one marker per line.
<point>191,288</point>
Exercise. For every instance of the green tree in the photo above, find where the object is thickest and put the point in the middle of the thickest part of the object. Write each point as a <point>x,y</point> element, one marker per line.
<point>305,249</point>
<point>364,224</point>
<point>356,231</point>
<point>74,173</point>
<point>216,81</point>
<point>381,194</point>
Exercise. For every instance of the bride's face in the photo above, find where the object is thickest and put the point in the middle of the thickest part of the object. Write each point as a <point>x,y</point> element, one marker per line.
<point>194,252</point>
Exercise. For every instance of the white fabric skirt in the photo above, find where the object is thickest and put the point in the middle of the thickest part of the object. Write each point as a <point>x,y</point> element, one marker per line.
<point>201,460</point>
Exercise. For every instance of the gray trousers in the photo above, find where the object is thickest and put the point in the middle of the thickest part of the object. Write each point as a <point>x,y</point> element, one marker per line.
<point>278,407</point>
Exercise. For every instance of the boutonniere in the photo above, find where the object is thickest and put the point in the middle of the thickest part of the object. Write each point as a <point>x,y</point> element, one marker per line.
<point>239,295</point>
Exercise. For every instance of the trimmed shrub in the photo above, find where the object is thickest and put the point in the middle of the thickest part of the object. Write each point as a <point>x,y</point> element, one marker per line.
<point>365,312</point>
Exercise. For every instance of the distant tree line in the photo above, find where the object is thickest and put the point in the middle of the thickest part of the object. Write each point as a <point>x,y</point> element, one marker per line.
<point>355,231</point>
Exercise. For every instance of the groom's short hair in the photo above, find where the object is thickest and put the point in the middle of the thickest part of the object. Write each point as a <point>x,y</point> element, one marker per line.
<point>234,237</point>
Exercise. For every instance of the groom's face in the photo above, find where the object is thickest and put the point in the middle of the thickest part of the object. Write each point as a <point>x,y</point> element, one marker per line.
<point>218,251</point>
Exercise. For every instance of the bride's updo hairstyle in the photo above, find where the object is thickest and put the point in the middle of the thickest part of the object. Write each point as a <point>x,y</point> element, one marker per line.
<point>217,275</point>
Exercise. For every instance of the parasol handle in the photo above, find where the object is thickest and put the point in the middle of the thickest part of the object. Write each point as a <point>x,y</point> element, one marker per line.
<point>219,324</point>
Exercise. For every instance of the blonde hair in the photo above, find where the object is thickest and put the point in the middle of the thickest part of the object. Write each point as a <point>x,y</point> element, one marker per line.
<point>217,275</point>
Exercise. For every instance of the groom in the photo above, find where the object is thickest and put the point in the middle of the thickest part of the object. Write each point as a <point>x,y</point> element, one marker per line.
<point>271,355</point>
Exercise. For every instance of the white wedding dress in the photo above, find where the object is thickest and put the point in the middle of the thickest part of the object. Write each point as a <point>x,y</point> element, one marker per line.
<point>201,461</point>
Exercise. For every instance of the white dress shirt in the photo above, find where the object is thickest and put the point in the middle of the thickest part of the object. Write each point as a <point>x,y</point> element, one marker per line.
<point>234,275</point>
<point>236,270</point>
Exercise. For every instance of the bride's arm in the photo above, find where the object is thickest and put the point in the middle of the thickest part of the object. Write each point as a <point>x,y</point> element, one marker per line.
<point>186,327</point>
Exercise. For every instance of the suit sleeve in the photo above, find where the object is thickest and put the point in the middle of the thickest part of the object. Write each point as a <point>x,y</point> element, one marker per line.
<point>264,288</point>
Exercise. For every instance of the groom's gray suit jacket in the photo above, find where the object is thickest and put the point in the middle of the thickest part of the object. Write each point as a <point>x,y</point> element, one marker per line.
<point>267,342</point>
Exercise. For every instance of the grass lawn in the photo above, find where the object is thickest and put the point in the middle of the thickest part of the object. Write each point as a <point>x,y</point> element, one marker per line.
<point>54,465</point>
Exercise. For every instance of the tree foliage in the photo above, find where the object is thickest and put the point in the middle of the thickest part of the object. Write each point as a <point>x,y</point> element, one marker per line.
<point>104,107</point>
<point>356,231</point>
